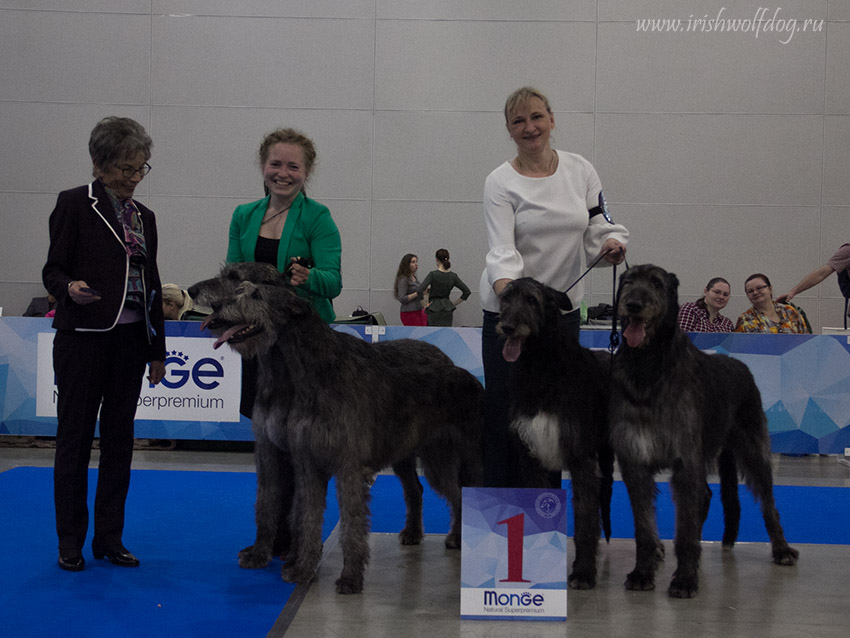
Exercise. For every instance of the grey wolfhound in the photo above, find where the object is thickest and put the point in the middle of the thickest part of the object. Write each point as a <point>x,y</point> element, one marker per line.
<point>345,408</point>
<point>674,406</point>
<point>559,408</point>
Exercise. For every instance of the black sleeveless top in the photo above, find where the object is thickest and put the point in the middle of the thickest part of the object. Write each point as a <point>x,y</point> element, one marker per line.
<point>266,250</point>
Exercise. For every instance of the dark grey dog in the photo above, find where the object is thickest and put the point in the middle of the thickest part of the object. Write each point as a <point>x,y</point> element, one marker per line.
<point>345,408</point>
<point>559,408</point>
<point>673,406</point>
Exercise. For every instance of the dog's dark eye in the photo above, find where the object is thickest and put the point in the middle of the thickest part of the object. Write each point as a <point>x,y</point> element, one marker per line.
<point>530,299</point>
<point>255,294</point>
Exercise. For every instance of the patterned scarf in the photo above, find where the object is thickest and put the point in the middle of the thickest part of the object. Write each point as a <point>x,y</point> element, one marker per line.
<point>134,243</point>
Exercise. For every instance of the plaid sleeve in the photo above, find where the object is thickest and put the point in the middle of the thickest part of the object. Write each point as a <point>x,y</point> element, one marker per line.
<point>690,318</point>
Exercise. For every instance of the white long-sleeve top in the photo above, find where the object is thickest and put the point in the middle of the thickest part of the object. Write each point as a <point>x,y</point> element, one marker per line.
<point>539,226</point>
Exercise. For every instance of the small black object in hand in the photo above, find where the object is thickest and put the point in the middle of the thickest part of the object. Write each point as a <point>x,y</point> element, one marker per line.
<point>301,261</point>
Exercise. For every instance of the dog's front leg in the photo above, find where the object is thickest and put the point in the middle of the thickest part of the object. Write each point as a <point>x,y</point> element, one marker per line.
<point>269,461</point>
<point>688,488</point>
<point>308,512</point>
<point>353,497</point>
<point>585,488</point>
<point>641,487</point>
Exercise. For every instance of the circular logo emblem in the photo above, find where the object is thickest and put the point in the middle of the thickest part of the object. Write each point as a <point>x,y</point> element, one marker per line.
<point>548,505</point>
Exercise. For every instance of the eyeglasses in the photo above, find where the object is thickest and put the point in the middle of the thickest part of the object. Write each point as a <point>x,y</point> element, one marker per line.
<point>753,291</point>
<point>129,172</point>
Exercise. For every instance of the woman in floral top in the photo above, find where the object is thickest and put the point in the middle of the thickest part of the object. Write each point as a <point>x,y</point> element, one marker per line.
<point>704,314</point>
<point>767,315</point>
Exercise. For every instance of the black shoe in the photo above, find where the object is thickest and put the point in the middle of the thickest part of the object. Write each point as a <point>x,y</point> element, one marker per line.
<point>120,556</point>
<point>72,563</point>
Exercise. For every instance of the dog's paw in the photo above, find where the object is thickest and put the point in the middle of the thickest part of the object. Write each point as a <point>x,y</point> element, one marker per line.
<point>346,585</point>
<point>683,587</point>
<point>249,558</point>
<point>410,537</point>
<point>786,556</point>
<point>638,581</point>
<point>453,541</point>
<point>297,574</point>
<point>578,580</point>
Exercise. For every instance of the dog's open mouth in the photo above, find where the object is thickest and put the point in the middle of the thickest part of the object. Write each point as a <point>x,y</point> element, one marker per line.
<point>635,332</point>
<point>232,335</point>
<point>512,348</point>
<point>237,334</point>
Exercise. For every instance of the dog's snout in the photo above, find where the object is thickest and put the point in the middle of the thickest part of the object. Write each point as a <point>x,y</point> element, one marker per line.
<point>506,329</point>
<point>634,307</point>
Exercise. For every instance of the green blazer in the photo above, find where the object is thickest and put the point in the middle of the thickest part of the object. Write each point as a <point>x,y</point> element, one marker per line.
<point>310,232</point>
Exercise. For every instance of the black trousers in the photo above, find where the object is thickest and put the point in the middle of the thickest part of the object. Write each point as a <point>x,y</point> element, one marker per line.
<point>507,461</point>
<point>95,370</point>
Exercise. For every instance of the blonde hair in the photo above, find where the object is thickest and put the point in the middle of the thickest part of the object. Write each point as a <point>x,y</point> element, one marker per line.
<point>176,295</point>
<point>520,97</point>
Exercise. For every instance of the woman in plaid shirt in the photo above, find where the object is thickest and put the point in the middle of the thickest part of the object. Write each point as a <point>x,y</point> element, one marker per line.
<point>704,314</point>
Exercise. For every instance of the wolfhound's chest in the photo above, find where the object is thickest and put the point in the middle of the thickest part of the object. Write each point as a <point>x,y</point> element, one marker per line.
<point>653,434</point>
<point>542,434</point>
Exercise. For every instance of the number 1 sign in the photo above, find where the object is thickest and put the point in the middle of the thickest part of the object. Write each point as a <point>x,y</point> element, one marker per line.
<point>514,554</point>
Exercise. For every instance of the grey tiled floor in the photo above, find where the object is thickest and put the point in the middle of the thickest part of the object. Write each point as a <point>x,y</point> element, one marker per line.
<point>413,591</point>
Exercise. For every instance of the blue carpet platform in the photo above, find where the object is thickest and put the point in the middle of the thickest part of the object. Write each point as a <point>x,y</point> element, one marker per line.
<point>187,527</point>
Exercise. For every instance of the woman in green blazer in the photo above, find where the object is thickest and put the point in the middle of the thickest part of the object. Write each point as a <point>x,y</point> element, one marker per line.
<point>286,224</point>
<point>277,230</point>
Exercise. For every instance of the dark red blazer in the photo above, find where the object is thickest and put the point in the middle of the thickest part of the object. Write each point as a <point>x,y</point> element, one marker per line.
<point>87,242</point>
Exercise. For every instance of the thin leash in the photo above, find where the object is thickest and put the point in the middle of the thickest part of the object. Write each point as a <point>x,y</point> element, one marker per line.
<point>614,338</point>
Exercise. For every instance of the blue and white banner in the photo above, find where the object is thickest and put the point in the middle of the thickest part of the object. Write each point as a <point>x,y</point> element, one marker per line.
<point>514,554</point>
<point>200,384</point>
<point>804,381</point>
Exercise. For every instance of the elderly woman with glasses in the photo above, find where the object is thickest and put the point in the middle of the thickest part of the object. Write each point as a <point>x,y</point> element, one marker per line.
<point>767,315</point>
<point>101,267</point>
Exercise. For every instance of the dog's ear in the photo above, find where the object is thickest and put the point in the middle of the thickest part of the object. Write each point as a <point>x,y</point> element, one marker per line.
<point>248,288</point>
<point>673,282</point>
<point>561,300</point>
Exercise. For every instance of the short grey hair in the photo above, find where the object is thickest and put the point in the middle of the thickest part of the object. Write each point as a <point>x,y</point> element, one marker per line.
<point>117,138</point>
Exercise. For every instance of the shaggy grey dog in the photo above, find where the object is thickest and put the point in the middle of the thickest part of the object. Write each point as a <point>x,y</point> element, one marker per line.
<point>345,408</point>
<point>559,408</point>
<point>673,406</point>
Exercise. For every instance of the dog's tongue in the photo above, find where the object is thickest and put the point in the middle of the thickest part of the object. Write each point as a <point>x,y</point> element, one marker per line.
<point>512,349</point>
<point>226,336</point>
<point>206,322</point>
<point>634,333</point>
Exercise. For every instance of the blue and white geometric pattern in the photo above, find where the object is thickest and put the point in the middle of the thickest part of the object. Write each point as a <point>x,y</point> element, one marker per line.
<point>804,380</point>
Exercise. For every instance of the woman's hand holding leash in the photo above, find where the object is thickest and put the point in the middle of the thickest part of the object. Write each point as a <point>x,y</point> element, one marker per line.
<point>613,251</point>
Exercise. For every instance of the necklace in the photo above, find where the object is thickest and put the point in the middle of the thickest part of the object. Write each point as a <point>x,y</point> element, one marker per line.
<point>278,214</point>
<point>550,167</point>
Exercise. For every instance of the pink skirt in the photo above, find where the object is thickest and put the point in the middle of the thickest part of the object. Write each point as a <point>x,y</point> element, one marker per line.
<point>414,318</point>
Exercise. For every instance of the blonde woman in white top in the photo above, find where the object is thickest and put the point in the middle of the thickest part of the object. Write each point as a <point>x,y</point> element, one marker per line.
<point>544,211</point>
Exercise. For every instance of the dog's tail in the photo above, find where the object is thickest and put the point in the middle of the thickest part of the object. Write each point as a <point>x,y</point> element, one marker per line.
<point>606,487</point>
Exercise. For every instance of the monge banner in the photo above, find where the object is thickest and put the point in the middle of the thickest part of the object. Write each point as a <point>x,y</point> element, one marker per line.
<point>200,384</point>
<point>514,554</point>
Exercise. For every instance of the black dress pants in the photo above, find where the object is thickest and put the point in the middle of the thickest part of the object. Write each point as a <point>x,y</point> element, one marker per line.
<point>507,461</point>
<point>95,371</point>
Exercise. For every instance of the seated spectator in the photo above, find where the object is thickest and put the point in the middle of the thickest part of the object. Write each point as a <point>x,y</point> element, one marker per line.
<point>766,315</point>
<point>704,314</point>
<point>41,306</point>
<point>177,305</point>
